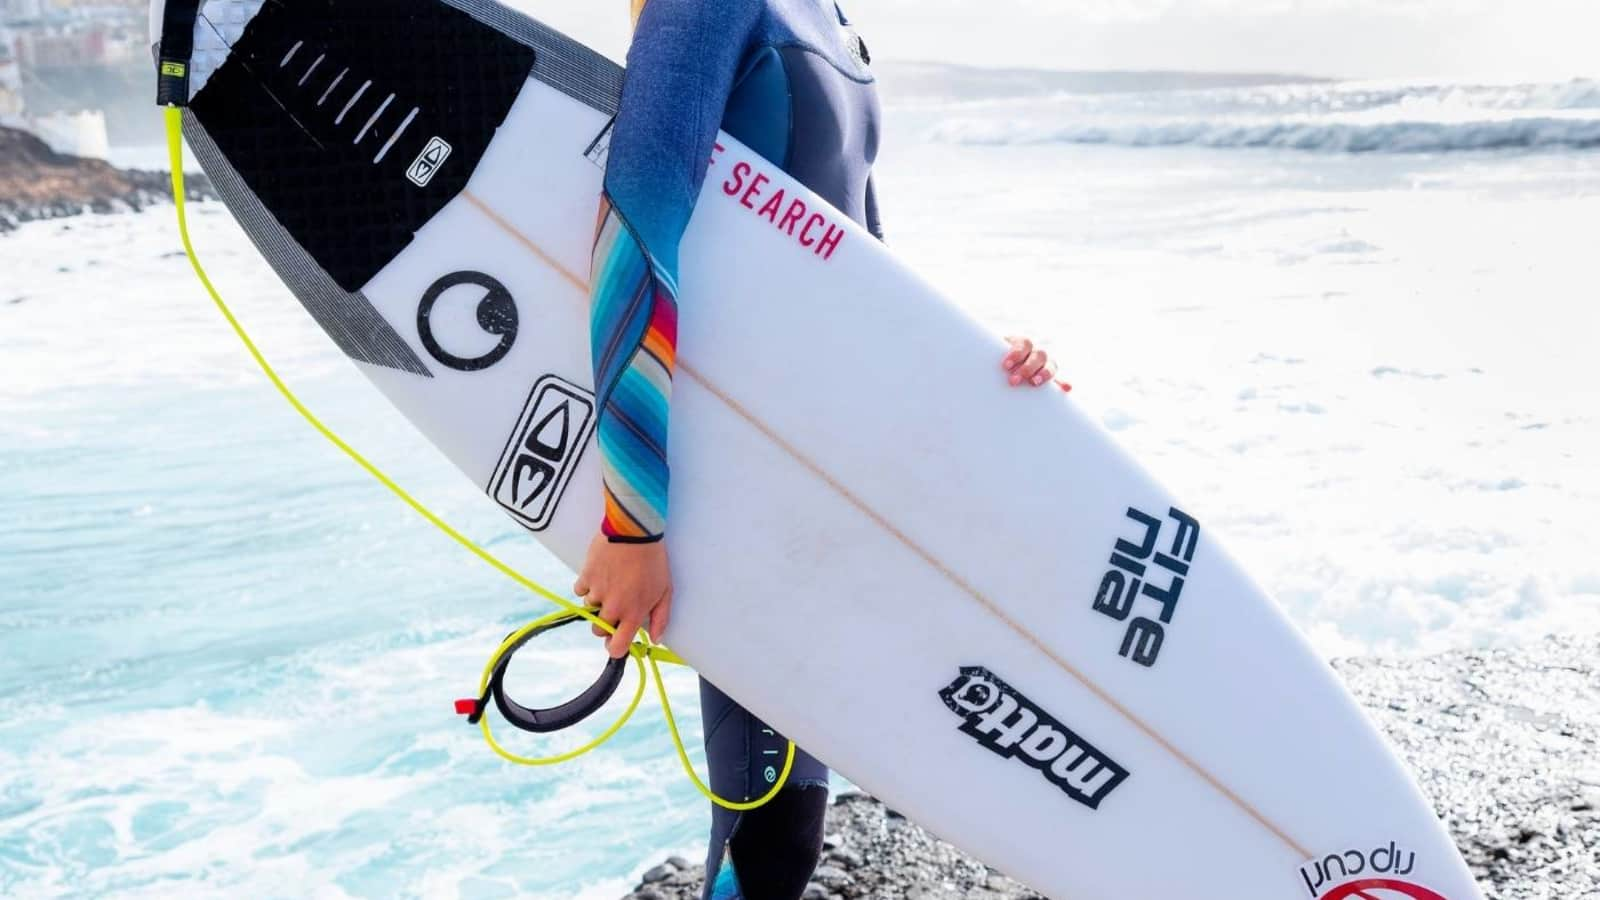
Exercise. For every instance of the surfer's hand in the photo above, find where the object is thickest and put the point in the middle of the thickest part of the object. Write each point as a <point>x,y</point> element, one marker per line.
<point>630,585</point>
<point>1028,365</point>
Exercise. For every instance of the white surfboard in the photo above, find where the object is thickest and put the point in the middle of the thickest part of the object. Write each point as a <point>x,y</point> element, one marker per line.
<point>1106,708</point>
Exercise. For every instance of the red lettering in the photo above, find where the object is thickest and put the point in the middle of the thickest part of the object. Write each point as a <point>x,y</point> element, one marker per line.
<point>753,191</point>
<point>771,207</point>
<point>734,185</point>
<point>816,219</point>
<point>715,149</point>
<point>830,242</point>
<point>791,218</point>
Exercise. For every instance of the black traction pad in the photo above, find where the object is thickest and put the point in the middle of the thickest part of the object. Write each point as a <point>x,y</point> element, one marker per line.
<point>296,110</point>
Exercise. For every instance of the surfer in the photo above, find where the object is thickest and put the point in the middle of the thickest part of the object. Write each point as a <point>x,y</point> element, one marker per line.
<point>789,78</point>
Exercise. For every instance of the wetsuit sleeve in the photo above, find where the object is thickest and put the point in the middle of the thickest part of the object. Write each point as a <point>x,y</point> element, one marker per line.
<point>681,69</point>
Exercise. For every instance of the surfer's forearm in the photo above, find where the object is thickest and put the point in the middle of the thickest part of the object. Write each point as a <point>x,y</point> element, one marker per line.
<point>633,336</point>
<point>680,71</point>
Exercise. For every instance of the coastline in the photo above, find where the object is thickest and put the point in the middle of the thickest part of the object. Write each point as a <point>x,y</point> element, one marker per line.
<point>1505,743</point>
<point>38,183</point>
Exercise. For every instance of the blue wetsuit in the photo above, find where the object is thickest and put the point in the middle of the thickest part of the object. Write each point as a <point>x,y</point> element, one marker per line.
<point>790,79</point>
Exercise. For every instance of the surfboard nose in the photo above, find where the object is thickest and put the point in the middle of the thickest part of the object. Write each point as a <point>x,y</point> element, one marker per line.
<point>216,25</point>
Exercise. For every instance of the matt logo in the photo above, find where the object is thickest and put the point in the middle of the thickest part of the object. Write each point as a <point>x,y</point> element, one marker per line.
<point>1376,875</point>
<point>1007,724</point>
<point>543,451</point>
<point>428,162</point>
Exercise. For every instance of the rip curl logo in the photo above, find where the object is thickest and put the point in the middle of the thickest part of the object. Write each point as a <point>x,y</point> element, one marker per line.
<point>1375,872</point>
<point>1381,889</point>
<point>1007,724</point>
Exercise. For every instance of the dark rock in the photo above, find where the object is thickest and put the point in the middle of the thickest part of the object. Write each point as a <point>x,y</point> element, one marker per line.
<point>39,183</point>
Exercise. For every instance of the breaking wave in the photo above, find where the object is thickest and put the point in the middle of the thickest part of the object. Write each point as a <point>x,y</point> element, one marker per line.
<point>1347,117</point>
<point>1541,133</point>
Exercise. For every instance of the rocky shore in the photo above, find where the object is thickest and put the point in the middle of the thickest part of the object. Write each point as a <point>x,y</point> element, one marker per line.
<point>1506,743</point>
<point>39,183</point>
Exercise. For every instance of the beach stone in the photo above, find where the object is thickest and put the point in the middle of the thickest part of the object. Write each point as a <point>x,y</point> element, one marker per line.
<point>848,858</point>
<point>658,873</point>
<point>831,876</point>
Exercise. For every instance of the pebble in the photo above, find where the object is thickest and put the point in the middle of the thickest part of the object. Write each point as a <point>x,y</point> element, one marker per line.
<point>1505,743</point>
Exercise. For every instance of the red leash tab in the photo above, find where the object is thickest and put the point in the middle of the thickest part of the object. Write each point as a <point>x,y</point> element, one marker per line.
<point>466,707</point>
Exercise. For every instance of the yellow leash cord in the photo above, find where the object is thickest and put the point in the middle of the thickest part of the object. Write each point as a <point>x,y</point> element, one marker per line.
<point>642,650</point>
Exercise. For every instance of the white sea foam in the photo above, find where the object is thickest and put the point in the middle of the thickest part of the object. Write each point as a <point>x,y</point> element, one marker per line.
<point>1537,133</point>
<point>1333,118</point>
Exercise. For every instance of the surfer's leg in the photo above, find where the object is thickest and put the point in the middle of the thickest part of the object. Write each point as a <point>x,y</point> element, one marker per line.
<point>770,852</point>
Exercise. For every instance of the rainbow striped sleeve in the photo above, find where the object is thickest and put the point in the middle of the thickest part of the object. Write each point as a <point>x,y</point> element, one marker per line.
<point>634,338</point>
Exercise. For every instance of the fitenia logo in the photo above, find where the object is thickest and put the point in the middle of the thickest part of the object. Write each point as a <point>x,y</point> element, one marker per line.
<point>1008,724</point>
<point>1376,873</point>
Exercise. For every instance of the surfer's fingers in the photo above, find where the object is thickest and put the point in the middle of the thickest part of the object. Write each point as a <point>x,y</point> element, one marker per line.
<point>1046,372</point>
<point>1029,367</point>
<point>1020,348</point>
<point>617,644</point>
<point>660,615</point>
<point>585,591</point>
<point>606,611</point>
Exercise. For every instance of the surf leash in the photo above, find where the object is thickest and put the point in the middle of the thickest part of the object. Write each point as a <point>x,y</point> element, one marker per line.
<point>647,655</point>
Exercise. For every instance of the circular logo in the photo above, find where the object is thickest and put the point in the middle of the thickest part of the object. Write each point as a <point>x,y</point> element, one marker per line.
<point>772,774</point>
<point>496,314</point>
<point>1381,889</point>
<point>975,695</point>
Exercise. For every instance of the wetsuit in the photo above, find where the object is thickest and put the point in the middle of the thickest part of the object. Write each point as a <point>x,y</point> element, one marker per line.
<point>790,79</point>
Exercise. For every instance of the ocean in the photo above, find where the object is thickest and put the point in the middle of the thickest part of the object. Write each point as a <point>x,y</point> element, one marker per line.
<point>1353,323</point>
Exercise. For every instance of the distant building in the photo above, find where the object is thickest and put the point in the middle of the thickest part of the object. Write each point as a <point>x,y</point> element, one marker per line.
<point>15,10</point>
<point>88,45</point>
<point>76,69</point>
<point>69,33</point>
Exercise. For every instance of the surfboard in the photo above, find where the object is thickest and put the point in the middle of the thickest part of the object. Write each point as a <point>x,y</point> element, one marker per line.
<point>1108,707</point>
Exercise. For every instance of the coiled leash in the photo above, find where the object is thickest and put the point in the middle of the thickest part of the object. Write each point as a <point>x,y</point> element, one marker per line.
<point>173,95</point>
